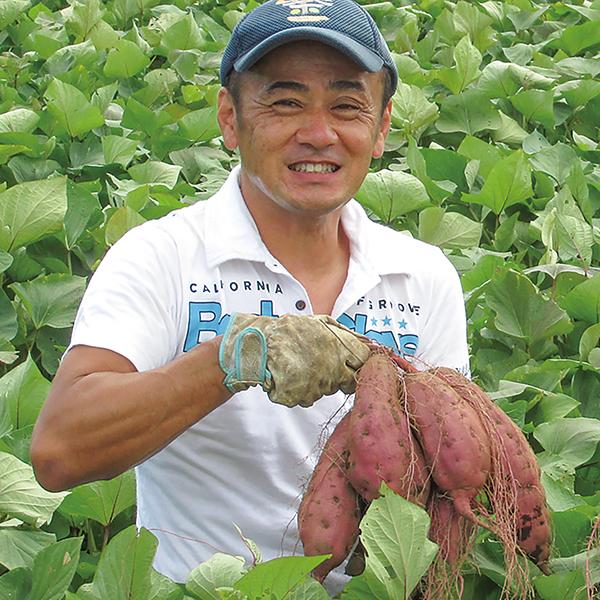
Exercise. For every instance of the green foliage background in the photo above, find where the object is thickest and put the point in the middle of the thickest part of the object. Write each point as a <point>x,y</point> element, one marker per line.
<point>107,119</point>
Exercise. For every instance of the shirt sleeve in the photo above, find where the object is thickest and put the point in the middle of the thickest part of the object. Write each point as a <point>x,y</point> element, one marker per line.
<point>130,305</point>
<point>444,335</point>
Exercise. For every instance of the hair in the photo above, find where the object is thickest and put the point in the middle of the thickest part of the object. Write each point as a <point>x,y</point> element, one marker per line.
<point>233,86</point>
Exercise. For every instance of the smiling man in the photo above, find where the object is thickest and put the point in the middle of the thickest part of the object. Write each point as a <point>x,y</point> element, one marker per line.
<point>204,336</point>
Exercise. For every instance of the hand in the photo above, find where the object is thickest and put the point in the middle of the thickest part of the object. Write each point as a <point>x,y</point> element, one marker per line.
<point>295,359</point>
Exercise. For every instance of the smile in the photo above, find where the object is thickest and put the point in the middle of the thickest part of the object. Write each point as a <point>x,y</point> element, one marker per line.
<point>304,167</point>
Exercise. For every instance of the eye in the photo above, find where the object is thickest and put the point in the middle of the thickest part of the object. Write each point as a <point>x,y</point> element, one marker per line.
<point>286,104</point>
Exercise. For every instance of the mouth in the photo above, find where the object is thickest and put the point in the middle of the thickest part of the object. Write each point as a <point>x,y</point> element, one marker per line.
<point>313,167</point>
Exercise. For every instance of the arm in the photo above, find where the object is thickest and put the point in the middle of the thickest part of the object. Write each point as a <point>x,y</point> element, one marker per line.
<point>102,416</point>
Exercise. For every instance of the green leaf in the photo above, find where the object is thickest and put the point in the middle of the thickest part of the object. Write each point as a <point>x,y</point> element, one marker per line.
<point>22,393</point>
<point>556,161</point>
<point>199,125</point>
<point>21,120</point>
<point>522,311</point>
<point>18,548</point>
<point>275,578</point>
<point>118,150</point>
<point>571,529</point>
<point>67,58</point>
<point>155,172</point>
<point>31,211</point>
<point>579,37</point>
<point>398,552</point>
<point>509,131</point>
<point>124,571</point>
<point>583,301</point>
<point>501,79</point>
<point>411,111</point>
<point>579,66</point>
<point>82,206</point>
<point>8,318</point>
<point>568,443</point>
<point>418,167</point>
<point>25,168</point>
<point>448,230</point>
<point>580,92</point>
<point>11,10</point>
<point>390,194</point>
<point>536,106</point>
<point>84,17</point>
<point>121,221</point>
<point>163,588</point>
<point>508,183</point>
<point>467,60</point>
<point>468,112</point>
<point>125,60</point>
<point>445,165</point>
<point>16,584</point>
<point>184,35</point>
<point>475,149</point>
<point>52,344</point>
<point>221,570</point>
<point>21,496</point>
<point>561,585</point>
<point>54,568</point>
<point>71,109</point>
<point>101,501</point>
<point>51,300</point>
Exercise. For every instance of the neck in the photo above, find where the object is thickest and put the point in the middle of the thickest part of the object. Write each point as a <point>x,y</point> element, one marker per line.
<point>305,244</point>
<point>312,247</point>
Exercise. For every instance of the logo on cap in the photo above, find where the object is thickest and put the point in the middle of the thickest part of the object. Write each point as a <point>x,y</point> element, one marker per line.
<point>305,11</point>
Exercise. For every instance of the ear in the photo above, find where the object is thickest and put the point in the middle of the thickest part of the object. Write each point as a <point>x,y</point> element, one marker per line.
<point>227,118</point>
<point>384,128</point>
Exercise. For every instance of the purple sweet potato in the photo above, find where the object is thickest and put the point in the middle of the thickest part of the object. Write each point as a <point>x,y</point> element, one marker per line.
<point>329,512</point>
<point>454,443</point>
<point>514,488</point>
<point>449,530</point>
<point>381,445</point>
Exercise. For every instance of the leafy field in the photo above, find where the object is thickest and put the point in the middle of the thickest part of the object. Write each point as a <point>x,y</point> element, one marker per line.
<point>107,119</point>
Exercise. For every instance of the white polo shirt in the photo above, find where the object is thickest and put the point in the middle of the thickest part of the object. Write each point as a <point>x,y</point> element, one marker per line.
<point>171,284</point>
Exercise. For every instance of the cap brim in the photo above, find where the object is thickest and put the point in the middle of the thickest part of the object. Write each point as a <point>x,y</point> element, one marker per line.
<point>360,54</point>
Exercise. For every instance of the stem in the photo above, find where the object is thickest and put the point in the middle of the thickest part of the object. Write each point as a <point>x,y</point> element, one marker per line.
<point>91,542</point>
<point>105,536</point>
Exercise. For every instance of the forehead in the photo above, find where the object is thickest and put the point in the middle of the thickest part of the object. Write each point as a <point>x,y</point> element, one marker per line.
<point>309,59</point>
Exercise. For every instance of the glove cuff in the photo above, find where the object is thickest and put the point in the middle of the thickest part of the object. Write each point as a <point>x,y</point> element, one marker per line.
<point>243,359</point>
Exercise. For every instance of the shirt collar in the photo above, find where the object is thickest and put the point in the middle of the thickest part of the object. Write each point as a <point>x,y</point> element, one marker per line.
<point>231,233</point>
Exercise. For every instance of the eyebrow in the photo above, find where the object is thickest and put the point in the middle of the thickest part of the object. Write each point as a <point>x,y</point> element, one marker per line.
<point>340,84</point>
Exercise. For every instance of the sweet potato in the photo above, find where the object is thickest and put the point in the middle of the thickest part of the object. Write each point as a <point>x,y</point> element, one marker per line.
<point>454,443</point>
<point>515,491</point>
<point>449,530</point>
<point>455,536</point>
<point>329,512</point>
<point>381,445</point>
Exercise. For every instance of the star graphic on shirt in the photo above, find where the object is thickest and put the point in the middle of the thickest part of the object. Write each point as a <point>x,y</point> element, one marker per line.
<point>402,324</point>
<point>387,321</point>
<point>373,321</point>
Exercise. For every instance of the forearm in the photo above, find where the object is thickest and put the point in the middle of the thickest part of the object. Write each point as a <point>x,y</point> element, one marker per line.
<point>106,422</point>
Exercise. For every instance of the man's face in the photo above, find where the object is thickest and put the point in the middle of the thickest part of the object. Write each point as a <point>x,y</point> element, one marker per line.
<point>307,124</point>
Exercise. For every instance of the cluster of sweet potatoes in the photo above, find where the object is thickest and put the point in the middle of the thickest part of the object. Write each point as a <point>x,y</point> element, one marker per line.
<point>438,440</point>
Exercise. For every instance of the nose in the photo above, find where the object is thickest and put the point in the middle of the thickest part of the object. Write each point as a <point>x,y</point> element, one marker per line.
<point>316,129</point>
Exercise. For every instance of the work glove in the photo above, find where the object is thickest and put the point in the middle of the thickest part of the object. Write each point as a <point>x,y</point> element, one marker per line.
<point>295,359</point>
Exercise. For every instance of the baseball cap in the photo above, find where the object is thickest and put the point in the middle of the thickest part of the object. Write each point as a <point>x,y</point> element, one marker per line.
<point>342,24</point>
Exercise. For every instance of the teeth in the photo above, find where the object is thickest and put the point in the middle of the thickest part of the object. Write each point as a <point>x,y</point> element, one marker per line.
<point>313,167</point>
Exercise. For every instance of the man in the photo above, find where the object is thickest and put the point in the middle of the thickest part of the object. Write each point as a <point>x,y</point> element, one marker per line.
<point>149,381</point>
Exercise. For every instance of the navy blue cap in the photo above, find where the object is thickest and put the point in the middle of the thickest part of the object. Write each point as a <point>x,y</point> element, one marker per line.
<point>342,24</point>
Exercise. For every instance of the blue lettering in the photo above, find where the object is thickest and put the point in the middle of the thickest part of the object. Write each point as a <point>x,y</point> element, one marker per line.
<point>203,318</point>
